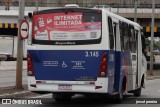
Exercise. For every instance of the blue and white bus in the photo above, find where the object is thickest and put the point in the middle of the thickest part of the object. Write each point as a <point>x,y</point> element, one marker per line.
<point>86,51</point>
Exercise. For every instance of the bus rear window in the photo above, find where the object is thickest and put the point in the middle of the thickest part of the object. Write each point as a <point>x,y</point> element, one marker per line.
<point>71,27</point>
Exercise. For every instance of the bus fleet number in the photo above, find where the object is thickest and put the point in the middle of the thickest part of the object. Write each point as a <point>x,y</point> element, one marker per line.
<point>91,54</point>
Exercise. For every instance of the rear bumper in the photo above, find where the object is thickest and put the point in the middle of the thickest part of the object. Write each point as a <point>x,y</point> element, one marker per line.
<point>100,86</point>
<point>54,88</point>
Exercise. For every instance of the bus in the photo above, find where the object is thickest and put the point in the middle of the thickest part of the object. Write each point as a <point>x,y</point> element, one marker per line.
<point>85,51</point>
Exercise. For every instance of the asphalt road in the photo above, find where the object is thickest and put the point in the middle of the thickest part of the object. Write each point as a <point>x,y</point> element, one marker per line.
<point>8,78</point>
<point>152,89</point>
<point>151,92</point>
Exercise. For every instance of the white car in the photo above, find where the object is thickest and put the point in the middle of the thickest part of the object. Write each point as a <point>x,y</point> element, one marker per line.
<point>102,7</point>
<point>71,5</point>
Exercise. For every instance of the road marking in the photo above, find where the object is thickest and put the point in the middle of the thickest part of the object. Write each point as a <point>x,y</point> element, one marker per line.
<point>16,93</point>
<point>41,96</point>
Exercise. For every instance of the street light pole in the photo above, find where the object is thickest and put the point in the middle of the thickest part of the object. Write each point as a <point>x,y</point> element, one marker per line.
<point>135,10</point>
<point>152,37</point>
<point>20,48</point>
<point>109,5</point>
<point>36,5</point>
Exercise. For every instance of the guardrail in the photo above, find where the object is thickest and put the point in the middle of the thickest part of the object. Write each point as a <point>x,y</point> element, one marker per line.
<point>114,10</point>
<point>81,3</point>
<point>61,3</point>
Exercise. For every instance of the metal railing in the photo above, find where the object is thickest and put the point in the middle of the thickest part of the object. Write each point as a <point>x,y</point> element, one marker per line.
<point>113,5</point>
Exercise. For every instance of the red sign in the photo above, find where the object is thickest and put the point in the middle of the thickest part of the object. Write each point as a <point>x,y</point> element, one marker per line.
<point>24,29</point>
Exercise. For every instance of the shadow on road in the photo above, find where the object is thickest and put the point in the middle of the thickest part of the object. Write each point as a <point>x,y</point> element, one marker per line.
<point>95,101</point>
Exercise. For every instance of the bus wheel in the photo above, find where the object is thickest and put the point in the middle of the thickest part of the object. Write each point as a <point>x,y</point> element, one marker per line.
<point>59,97</point>
<point>137,93</point>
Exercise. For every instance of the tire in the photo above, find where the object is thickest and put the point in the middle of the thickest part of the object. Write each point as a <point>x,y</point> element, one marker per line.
<point>137,93</point>
<point>62,97</point>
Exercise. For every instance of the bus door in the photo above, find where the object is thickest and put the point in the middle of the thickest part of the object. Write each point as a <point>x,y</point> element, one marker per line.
<point>111,54</point>
<point>133,50</point>
<point>117,55</point>
<point>140,61</point>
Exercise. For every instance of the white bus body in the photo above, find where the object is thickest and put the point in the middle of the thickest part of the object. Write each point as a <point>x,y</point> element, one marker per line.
<point>79,50</point>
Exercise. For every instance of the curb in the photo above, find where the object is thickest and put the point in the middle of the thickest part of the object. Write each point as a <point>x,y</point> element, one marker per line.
<point>22,94</point>
<point>10,65</point>
<point>152,77</point>
<point>15,95</point>
<point>11,68</point>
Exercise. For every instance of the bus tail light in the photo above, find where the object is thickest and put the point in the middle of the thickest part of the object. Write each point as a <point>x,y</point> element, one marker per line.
<point>99,12</point>
<point>98,87</point>
<point>103,66</point>
<point>35,13</point>
<point>33,85</point>
<point>29,66</point>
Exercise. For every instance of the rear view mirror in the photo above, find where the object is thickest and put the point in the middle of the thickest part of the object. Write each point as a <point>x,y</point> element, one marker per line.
<point>30,16</point>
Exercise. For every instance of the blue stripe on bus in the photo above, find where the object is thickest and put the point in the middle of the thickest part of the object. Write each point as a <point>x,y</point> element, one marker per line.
<point>115,63</point>
<point>118,70</point>
<point>123,67</point>
<point>48,64</point>
<point>111,70</point>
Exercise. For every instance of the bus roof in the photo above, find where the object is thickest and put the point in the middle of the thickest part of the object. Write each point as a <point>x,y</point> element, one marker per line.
<point>107,12</point>
<point>122,18</point>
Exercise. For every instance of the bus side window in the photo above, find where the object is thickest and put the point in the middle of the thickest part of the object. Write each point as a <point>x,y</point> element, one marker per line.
<point>115,33</point>
<point>111,35</point>
<point>132,39</point>
<point>126,36</point>
<point>114,29</point>
<point>136,38</point>
<point>121,35</point>
<point>143,44</point>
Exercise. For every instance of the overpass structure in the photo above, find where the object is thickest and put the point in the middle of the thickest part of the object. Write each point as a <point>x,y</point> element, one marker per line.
<point>9,19</point>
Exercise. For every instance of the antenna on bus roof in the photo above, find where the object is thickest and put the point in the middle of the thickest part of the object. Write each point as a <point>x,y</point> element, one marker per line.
<point>98,5</point>
<point>66,10</point>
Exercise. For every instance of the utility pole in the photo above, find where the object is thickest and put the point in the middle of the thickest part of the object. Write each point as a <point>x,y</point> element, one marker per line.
<point>135,10</point>
<point>109,5</point>
<point>152,37</point>
<point>20,48</point>
<point>36,5</point>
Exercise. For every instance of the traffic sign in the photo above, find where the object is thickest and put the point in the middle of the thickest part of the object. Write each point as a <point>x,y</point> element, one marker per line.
<point>24,29</point>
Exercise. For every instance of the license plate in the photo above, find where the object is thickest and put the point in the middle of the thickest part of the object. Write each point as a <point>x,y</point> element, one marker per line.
<point>64,87</point>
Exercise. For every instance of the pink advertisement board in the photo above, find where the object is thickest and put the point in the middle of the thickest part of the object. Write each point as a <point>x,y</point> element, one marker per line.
<point>61,26</point>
